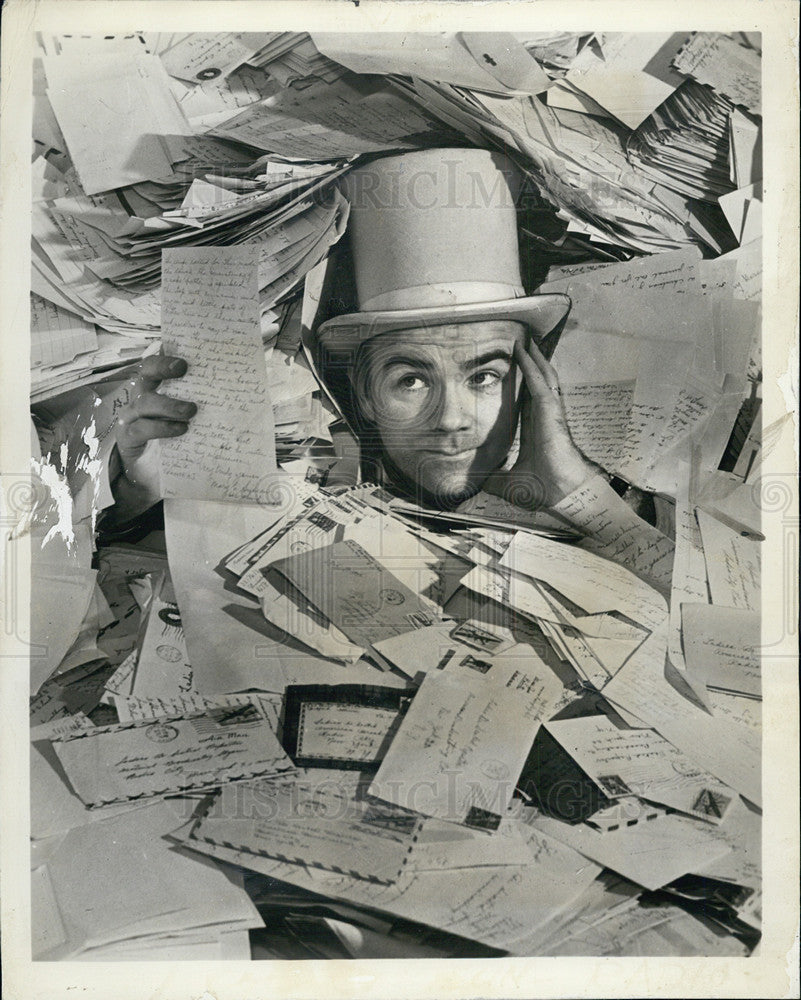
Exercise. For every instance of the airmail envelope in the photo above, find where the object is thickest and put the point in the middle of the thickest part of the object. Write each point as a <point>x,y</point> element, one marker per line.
<point>115,763</point>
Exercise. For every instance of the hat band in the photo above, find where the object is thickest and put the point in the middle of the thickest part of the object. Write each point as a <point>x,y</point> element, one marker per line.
<point>452,294</point>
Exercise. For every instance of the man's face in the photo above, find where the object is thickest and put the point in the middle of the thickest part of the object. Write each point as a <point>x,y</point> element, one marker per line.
<point>444,402</point>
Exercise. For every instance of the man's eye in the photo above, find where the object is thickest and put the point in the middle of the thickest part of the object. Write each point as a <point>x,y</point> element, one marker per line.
<point>485,379</point>
<point>411,383</point>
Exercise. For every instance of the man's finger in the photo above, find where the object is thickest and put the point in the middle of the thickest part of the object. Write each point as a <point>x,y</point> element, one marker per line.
<point>541,377</point>
<point>144,429</point>
<point>156,404</point>
<point>545,367</point>
<point>538,384</point>
<point>526,430</point>
<point>157,367</point>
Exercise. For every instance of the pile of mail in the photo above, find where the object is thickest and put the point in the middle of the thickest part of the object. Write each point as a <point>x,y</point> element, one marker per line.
<point>226,139</point>
<point>390,730</point>
<point>234,138</point>
<point>685,143</point>
<point>656,354</point>
<point>467,729</point>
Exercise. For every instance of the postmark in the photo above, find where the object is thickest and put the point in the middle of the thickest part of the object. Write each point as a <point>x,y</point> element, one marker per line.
<point>170,616</point>
<point>161,733</point>
<point>390,596</point>
<point>169,653</point>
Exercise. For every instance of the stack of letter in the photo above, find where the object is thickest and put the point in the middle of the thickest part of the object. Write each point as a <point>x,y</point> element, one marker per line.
<point>148,142</point>
<point>471,730</point>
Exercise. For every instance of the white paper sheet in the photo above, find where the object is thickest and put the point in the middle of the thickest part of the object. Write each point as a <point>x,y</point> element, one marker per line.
<point>444,56</point>
<point>721,62</point>
<point>722,647</point>
<point>631,76</point>
<point>643,763</point>
<point>593,583</point>
<point>139,884</point>
<point>732,564</point>
<point>112,110</point>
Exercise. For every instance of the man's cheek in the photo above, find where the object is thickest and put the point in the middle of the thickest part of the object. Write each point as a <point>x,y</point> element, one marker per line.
<point>399,420</point>
<point>495,417</point>
<point>398,441</point>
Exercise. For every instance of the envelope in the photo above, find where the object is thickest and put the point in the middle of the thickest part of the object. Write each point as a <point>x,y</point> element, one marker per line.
<point>355,592</point>
<point>135,760</point>
<point>318,819</point>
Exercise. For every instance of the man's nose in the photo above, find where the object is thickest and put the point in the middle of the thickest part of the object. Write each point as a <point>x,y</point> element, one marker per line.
<point>453,410</point>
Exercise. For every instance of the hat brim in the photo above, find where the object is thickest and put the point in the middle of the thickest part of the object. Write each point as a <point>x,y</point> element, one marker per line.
<point>542,314</point>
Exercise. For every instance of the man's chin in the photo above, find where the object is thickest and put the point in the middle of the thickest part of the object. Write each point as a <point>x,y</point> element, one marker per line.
<point>437,484</point>
<point>447,492</point>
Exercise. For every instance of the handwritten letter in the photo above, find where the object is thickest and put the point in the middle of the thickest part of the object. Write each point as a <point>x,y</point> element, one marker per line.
<point>211,318</point>
<point>598,416</point>
<point>732,564</point>
<point>593,583</point>
<point>722,63</point>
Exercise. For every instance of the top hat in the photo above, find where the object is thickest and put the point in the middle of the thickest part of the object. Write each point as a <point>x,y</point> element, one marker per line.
<point>434,240</point>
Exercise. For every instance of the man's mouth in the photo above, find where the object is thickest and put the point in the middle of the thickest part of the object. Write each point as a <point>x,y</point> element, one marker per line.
<point>449,452</point>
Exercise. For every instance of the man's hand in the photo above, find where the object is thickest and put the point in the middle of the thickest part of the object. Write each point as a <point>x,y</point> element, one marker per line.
<point>147,415</point>
<point>549,466</point>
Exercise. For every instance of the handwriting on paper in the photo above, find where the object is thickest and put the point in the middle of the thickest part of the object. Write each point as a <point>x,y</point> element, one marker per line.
<point>342,731</point>
<point>505,907</point>
<point>345,120</point>
<point>210,317</point>
<point>355,592</point>
<point>206,57</point>
<point>56,335</point>
<point>463,741</point>
<point>598,417</point>
<point>732,564</point>
<point>321,821</point>
<point>162,668</point>
<point>592,583</point>
<point>719,61</point>
<point>620,538</point>
<point>721,647</point>
<point>643,763</point>
<point>718,743</point>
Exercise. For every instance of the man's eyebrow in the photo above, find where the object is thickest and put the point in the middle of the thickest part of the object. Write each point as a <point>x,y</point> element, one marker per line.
<point>495,354</point>
<point>405,359</point>
<point>474,361</point>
